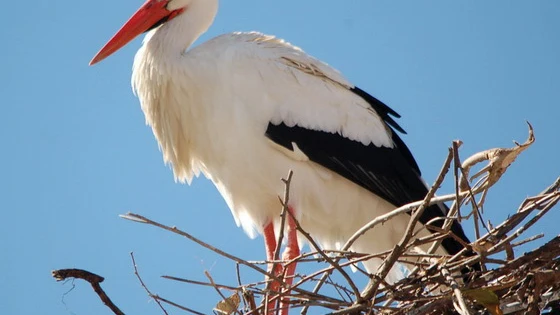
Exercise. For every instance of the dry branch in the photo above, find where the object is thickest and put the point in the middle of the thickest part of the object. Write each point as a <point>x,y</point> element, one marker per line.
<point>93,279</point>
<point>153,296</point>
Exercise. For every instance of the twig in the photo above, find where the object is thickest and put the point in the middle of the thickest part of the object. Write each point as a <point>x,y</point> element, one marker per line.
<point>499,160</point>
<point>93,279</point>
<point>522,229</point>
<point>340,289</point>
<point>511,307</point>
<point>285,211</point>
<point>144,285</point>
<point>216,285</point>
<point>325,256</point>
<point>250,303</point>
<point>527,240</point>
<point>226,300</point>
<point>238,273</point>
<point>354,309</point>
<point>456,167</point>
<point>380,220</point>
<point>463,309</point>
<point>141,219</point>
<point>388,263</point>
<point>555,186</point>
<point>159,298</point>
<point>284,202</point>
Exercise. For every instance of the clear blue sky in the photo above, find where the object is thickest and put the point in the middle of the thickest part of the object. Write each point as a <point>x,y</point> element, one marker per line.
<point>76,152</point>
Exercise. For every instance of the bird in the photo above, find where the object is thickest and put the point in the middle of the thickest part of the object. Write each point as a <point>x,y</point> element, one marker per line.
<point>244,108</point>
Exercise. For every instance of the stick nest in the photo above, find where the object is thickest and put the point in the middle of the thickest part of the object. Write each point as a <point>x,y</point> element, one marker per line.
<point>527,284</point>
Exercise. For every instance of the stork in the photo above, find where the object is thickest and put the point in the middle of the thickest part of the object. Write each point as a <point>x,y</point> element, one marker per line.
<point>244,108</point>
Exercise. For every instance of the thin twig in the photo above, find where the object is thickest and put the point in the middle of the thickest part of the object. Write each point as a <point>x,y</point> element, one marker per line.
<point>238,273</point>
<point>519,231</point>
<point>142,219</point>
<point>217,288</point>
<point>325,256</point>
<point>284,202</point>
<point>527,240</point>
<point>380,220</point>
<point>202,283</point>
<point>159,298</point>
<point>388,263</point>
<point>456,167</point>
<point>144,285</point>
<point>404,209</point>
<point>463,309</point>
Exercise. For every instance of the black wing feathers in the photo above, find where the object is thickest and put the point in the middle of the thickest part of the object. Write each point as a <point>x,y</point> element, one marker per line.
<point>384,171</point>
<point>382,110</point>
<point>391,173</point>
<point>385,112</point>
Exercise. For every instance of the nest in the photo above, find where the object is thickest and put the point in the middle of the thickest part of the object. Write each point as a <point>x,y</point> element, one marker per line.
<point>528,284</point>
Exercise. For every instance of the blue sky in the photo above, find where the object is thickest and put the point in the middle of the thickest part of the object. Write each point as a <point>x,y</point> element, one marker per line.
<point>77,153</point>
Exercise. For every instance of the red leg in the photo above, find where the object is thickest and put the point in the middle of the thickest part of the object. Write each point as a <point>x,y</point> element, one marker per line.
<point>291,252</point>
<point>270,245</point>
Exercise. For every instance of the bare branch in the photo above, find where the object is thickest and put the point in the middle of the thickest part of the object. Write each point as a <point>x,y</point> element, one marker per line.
<point>144,285</point>
<point>93,279</point>
<point>388,263</point>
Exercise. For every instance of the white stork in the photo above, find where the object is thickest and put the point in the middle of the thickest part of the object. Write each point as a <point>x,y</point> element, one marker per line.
<point>244,108</point>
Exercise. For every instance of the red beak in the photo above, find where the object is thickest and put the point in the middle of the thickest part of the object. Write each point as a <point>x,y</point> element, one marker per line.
<point>150,14</point>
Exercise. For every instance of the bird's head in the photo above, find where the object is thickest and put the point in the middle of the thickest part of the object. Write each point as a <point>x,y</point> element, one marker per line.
<point>151,14</point>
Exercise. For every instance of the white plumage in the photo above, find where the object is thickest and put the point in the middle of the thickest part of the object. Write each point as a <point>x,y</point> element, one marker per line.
<point>237,84</point>
<point>211,109</point>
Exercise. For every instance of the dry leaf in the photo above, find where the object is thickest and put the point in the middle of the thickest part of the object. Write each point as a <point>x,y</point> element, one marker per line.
<point>229,305</point>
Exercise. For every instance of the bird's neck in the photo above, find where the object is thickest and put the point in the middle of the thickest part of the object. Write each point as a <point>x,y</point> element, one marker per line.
<point>173,38</point>
<point>159,66</point>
